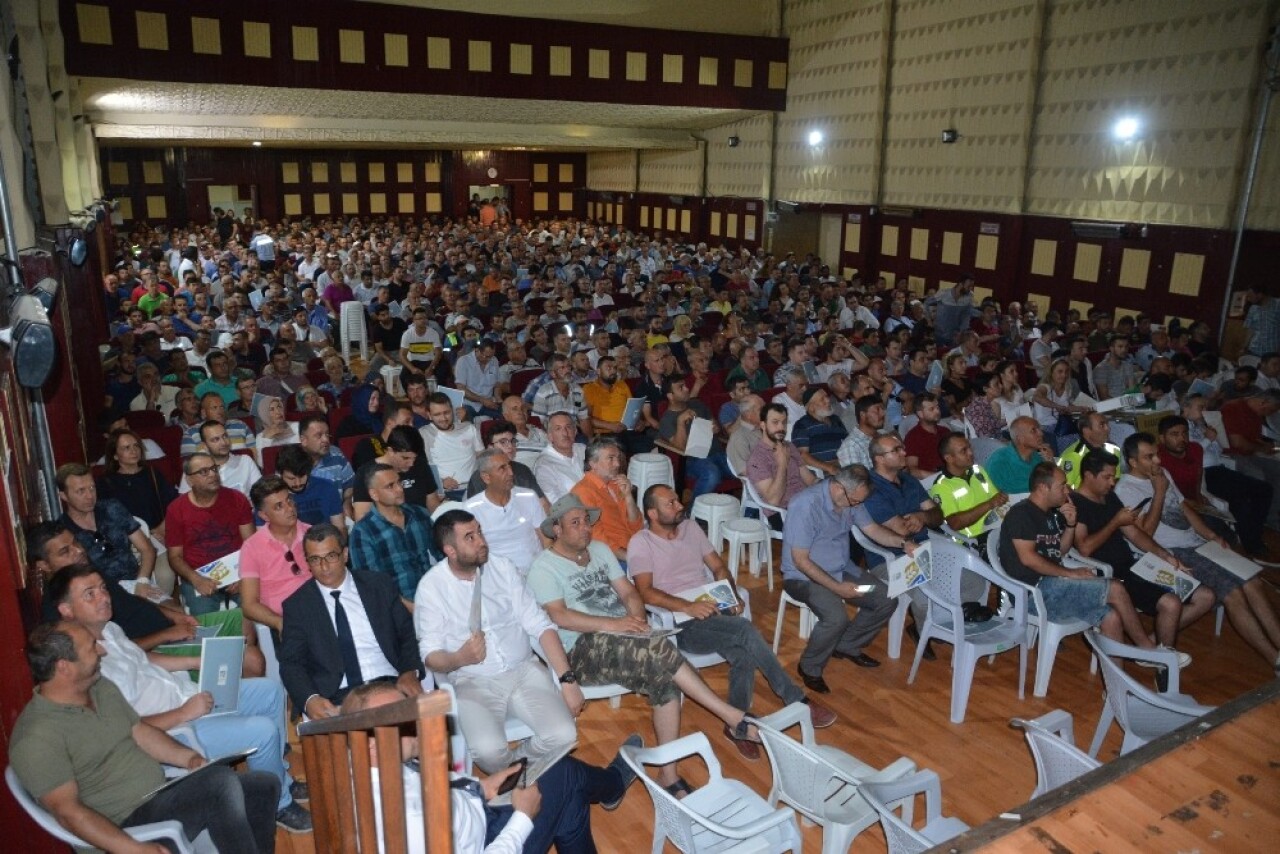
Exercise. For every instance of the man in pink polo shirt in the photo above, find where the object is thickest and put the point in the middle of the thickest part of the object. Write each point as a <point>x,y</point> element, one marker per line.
<point>271,561</point>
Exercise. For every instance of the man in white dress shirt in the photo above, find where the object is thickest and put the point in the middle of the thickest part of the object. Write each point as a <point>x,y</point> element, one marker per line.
<point>482,648</point>
<point>562,463</point>
<point>509,515</point>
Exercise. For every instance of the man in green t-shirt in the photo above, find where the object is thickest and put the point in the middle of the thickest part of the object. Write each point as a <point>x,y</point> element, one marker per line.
<point>85,755</point>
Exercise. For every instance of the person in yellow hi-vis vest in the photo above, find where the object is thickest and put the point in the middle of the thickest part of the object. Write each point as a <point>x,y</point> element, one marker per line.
<point>1095,430</point>
<point>971,504</point>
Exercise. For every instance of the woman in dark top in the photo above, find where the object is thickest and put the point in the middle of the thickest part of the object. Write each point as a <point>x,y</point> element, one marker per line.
<point>136,485</point>
<point>366,413</point>
<point>955,389</point>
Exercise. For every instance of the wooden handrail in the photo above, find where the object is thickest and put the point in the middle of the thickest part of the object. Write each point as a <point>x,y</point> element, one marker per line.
<point>339,775</point>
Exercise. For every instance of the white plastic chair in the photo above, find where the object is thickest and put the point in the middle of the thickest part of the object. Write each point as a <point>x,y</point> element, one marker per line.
<point>1053,749</point>
<point>723,815</point>
<point>352,330</point>
<point>1142,713</point>
<point>1049,633</point>
<point>755,537</point>
<point>807,619</point>
<point>944,620</point>
<point>661,618</point>
<point>898,622</point>
<point>171,830</point>
<point>821,782</point>
<point>984,447</point>
<point>901,836</point>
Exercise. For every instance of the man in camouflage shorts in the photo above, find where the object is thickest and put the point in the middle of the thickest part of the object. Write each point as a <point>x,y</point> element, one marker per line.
<point>602,625</point>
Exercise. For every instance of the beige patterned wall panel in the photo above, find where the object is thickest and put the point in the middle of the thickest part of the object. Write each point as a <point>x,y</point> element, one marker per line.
<point>612,170</point>
<point>744,169</point>
<point>835,84</point>
<point>965,66</point>
<point>671,172</point>
<point>1186,69</point>
<point>1264,207</point>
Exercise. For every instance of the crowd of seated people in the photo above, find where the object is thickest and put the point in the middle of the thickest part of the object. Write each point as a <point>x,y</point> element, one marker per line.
<point>532,360</point>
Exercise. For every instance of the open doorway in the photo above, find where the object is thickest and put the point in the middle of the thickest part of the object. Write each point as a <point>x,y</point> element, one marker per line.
<point>233,197</point>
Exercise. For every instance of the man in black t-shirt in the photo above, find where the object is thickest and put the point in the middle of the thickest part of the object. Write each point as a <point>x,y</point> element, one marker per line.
<point>1036,535</point>
<point>385,334</point>
<point>1104,530</point>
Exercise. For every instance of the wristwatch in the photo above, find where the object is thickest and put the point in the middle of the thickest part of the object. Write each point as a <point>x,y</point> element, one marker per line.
<point>568,678</point>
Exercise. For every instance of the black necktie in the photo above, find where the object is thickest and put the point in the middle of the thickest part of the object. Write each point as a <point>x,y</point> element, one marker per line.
<point>346,643</point>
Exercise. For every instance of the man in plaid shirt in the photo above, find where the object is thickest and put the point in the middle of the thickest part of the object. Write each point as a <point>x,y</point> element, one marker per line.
<point>393,537</point>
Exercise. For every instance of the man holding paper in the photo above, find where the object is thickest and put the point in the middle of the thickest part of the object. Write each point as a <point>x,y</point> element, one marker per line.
<point>687,427</point>
<point>1177,527</point>
<point>208,523</point>
<point>474,619</point>
<point>1103,527</point>
<point>607,399</point>
<point>669,563</point>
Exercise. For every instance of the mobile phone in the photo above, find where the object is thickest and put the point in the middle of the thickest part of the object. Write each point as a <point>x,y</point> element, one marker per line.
<point>864,588</point>
<point>514,779</point>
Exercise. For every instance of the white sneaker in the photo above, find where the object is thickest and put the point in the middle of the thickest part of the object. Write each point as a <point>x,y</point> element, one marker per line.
<point>1184,659</point>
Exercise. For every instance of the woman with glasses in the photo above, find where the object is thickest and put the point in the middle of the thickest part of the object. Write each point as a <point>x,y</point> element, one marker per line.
<point>272,563</point>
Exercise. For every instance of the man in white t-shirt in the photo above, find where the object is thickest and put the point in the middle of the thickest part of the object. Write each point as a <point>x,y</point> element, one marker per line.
<point>420,349</point>
<point>509,515</point>
<point>451,446</point>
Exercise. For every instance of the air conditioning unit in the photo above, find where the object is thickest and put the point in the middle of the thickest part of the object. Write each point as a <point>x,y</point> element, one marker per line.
<point>1106,230</point>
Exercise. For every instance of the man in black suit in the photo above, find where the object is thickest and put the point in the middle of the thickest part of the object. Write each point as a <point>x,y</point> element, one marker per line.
<point>342,629</point>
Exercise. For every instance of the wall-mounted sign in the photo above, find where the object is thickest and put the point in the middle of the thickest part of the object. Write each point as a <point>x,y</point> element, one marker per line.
<point>989,228</point>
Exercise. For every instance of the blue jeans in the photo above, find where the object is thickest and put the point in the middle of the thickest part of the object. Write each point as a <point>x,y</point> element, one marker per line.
<point>568,789</point>
<point>259,723</point>
<point>198,605</point>
<point>707,473</point>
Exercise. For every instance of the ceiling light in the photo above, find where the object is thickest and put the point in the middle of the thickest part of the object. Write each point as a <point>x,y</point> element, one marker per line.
<point>815,137</point>
<point>257,143</point>
<point>1125,128</point>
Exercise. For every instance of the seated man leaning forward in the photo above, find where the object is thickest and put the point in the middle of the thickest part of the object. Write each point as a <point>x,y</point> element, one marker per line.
<point>555,810</point>
<point>818,570</point>
<point>81,750</point>
<point>587,595</point>
<point>672,557</point>
<point>1037,533</point>
<point>164,695</point>
<point>486,656</point>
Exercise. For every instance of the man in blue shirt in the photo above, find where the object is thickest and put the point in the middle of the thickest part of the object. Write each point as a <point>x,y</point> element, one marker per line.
<point>818,570</point>
<point>318,500</point>
<point>901,510</point>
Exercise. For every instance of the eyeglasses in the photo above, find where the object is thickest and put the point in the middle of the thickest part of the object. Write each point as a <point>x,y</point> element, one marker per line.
<point>207,470</point>
<point>293,562</point>
<point>321,560</point>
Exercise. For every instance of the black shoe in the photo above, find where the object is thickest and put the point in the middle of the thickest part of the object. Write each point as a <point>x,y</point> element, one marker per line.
<point>861,659</point>
<point>299,791</point>
<point>816,684</point>
<point>914,634</point>
<point>294,819</point>
<point>624,770</point>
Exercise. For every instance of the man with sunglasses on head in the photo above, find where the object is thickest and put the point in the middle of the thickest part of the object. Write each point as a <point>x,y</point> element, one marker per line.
<point>271,563</point>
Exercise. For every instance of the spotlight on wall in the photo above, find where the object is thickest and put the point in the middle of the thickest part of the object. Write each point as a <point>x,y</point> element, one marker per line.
<point>734,141</point>
<point>257,143</point>
<point>30,340</point>
<point>1125,128</point>
<point>47,289</point>
<point>815,138</point>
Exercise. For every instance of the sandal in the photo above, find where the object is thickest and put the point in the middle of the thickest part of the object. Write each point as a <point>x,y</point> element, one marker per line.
<point>680,788</point>
<point>742,731</point>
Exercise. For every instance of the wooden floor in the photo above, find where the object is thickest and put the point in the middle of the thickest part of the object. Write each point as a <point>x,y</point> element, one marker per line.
<point>984,764</point>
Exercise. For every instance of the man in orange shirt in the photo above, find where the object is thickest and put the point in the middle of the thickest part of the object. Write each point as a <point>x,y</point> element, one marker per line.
<point>606,397</point>
<point>606,487</point>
